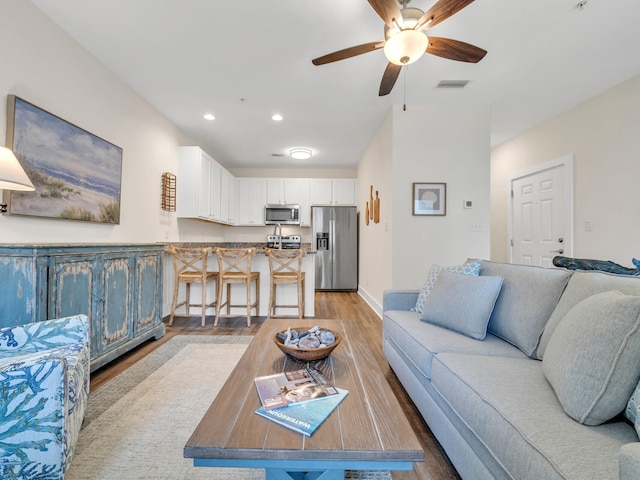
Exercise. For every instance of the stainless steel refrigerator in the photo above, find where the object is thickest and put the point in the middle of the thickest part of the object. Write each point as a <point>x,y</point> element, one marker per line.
<point>335,240</point>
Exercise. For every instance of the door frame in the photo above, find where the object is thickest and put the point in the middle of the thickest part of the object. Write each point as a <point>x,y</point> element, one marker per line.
<point>566,161</point>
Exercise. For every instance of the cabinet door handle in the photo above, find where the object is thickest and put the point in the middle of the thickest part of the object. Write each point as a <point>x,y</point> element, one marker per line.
<point>560,251</point>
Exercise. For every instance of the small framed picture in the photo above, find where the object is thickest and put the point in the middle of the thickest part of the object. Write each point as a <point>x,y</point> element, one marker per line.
<point>429,198</point>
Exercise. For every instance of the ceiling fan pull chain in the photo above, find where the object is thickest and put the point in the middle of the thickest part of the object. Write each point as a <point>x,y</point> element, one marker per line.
<point>404,93</point>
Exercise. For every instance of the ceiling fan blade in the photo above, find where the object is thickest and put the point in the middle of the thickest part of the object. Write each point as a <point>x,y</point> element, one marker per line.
<point>442,10</point>
<point>389,79</point>
<point>387,10</point>
<point>455,50</point>
<point>348,53</point>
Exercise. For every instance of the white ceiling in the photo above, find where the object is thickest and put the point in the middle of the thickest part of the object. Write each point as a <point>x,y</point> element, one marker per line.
<point>244,61</point>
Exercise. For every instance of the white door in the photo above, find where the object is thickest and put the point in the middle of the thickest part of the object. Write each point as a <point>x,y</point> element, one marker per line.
<point>541,206</point>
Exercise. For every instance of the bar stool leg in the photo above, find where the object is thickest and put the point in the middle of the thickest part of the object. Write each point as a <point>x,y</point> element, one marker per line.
<point>176,286</point>
<point>218,302</point>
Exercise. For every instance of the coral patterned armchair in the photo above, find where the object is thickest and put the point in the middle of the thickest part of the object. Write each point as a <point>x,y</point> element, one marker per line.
<point>44,386</point>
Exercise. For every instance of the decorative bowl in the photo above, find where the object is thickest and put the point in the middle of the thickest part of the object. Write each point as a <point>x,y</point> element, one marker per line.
<point>307,354</point>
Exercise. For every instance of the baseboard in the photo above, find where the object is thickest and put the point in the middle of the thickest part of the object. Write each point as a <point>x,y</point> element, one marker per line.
<point>375,306</point>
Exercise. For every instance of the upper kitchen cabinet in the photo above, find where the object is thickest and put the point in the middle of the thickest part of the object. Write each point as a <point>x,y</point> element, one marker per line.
<point>216,192</point>
<point>203,187</point>
<point>228,198</point>
<point>252,197</point>
<point>332,191</point>
<point>193,196</point>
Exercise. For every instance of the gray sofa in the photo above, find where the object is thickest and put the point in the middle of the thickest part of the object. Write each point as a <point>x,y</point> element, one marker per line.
<point>500,406</point>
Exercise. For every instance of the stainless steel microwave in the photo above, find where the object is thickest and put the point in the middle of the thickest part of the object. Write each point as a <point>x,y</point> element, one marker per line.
<point>282,214</point>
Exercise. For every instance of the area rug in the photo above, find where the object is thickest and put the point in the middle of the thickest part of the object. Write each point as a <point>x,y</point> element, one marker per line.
<point>136,425</point>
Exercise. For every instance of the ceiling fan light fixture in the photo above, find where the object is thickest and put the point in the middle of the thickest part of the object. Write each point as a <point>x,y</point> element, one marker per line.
<point>300,153</point>
<point>405,46</point>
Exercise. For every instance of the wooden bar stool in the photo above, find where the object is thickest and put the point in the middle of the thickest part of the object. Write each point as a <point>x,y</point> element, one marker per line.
<point>286,269</point>
<point>190,266</point>
<point>234,267</point>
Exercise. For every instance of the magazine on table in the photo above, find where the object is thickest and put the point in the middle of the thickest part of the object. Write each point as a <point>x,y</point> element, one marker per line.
<point>304,417</point>
<point>286,388</point>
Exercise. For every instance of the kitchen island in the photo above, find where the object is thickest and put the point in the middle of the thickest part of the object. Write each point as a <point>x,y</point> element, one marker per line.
<point>259,263</point>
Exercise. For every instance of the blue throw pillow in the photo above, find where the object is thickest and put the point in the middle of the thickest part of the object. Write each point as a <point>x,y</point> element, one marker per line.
<point>462,303</point>
<point>470,267</point>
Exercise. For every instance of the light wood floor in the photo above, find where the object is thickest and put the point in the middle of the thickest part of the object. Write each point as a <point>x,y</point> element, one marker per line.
<point>344,305</point>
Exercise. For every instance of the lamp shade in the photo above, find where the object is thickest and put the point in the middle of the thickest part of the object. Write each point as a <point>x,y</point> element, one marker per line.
<point>405,46</point>
<point>12,175</point>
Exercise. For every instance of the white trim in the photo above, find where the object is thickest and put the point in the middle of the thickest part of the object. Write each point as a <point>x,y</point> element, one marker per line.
<point>565,161</point>
<point>375,306</point>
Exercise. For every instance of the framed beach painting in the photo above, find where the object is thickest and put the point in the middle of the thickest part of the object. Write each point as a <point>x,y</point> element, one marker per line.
<point>429,198</point>
<point>77,175</point>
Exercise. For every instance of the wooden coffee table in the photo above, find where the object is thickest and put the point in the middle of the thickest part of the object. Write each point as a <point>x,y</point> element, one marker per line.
<point>368,431</point>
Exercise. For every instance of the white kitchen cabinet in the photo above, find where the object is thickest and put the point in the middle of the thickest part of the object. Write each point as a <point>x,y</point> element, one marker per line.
<point>225,189</point>
<point>193,183</point>
<point>332,191</point>
<point>275,191</point>
<point>216,192</point>
<point>204,188</point>
<point>233,200</point>
<point>252,197</point>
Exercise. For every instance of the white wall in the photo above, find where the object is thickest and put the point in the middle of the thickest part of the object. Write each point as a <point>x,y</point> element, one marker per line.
<point>423,144</point>
<point>603,134</point>
<point>439,144</point>
<point>44,66</point>
<point>375,250</point>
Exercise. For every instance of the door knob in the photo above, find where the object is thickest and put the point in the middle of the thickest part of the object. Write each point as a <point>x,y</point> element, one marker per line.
<point>560,251</point>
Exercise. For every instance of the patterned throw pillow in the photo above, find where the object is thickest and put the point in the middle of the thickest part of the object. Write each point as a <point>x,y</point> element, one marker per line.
<point>467,268</point>
<point>633,408</point>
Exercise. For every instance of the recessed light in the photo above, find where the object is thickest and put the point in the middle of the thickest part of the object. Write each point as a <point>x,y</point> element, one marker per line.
<point>277,117</point>
<point>300,153</point>
<point>209,116</point>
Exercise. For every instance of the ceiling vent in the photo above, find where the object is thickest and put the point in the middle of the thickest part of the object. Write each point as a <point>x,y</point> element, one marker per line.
<point>278,155</point>
<point>452,84</point>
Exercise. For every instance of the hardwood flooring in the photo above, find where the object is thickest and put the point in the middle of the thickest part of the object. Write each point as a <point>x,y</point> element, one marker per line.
<point>344,305</point>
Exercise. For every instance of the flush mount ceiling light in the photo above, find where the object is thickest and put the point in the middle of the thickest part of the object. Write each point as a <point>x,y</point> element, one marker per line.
<point>209,116</point>
<point>300,153</point>
<point>277,117</point>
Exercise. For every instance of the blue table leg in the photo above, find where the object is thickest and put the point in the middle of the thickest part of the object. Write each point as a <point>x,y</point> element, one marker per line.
<point>282,474</point>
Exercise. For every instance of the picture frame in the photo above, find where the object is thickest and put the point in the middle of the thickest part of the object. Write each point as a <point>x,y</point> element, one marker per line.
<point>430,198</point>
<point>77,174</point>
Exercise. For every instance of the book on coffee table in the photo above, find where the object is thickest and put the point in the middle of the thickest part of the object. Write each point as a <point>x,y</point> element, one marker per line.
<point>305,417</point>
<point>286,388</point>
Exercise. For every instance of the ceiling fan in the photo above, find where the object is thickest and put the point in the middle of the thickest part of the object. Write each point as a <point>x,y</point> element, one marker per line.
<point>406,39</point>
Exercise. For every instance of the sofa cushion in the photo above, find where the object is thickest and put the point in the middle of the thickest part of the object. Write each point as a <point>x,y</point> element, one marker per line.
<point>462,303</point>
<point>470,267</point>
<point>592,358</point>
<point>420,341</point>
<point>530,439</point>
<point>527,299</point>
<point>583,284</point>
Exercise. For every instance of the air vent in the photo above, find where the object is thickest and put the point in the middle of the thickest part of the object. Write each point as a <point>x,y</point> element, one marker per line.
<point>278,155</point>
<point>452,83</point>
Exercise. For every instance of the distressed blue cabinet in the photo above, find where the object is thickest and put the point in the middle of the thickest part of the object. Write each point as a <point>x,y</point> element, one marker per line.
<point>119,287</point>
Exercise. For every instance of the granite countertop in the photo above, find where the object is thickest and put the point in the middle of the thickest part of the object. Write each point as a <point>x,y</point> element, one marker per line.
<point>259,246</point>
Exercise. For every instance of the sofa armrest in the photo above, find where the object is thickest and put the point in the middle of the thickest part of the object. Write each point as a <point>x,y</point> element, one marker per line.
<point>399,299</point>
<point>33,415</point>
<point>40,336</point>
<point>629,461</point>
